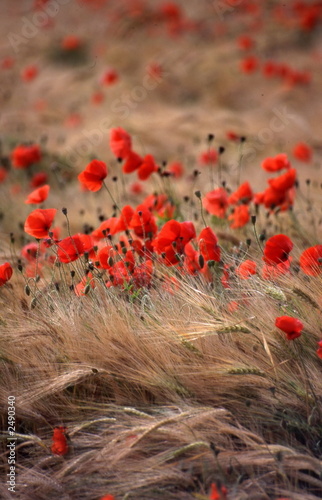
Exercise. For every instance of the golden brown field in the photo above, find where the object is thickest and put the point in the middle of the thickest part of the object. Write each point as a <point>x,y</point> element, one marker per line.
<point>160,250</point>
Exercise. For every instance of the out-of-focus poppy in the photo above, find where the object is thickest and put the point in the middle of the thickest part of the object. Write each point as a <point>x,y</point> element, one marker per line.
<point>72,247</point>
<point>147,167</point>
<point>39,179</point>
<point>243,194</point>
<point>319,350</point>
<point>132,162</point>
<point>216,202</point>
<point>38,195</point>
<point>276,163</point>
<point>285,181</point>
<point>120,142</point>
<point>246,269</point>
<point>302,152</point>
<point>23,156</point>
<point>239,217</point>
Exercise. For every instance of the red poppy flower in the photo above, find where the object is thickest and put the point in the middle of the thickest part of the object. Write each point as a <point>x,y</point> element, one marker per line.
<point>132,162</point>
<point>239,217</point>
<point>269,69</point>
<point>108,497</point>
<point>176,169</point>
<point>246,269</point>
<point>244,194</point>
<point>232,136</point>
<point>302,152</point>
<point>208,245</point>
<point>289,325</point>
<point>208,157</point>
<point>93,175</point>
<point>29,73</point>
<point>109,77</point>
<point>276,163</point>
<point>319,351</point>
<point>218,492</point>
<point>147,167</point>
<point>277,249</point>
<point>38,195</point>
<point>285,181</point>
<point>311,260</point>
<point>97,97</point>
<point>120,142</point>
<point>59,446</point>
<point>39,179</point>
<point>249,64</point>
<point>24,156</point>
<point>71,42</point>
<point>143,222</point>
<point>39,221</point>
<point>171,240</point>
<point>72,247</point>
<point>216,202</point>
<point>5,273</point>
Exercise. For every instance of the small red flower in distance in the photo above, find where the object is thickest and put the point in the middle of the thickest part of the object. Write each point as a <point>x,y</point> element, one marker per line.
<point>59,446</point>
<point>249,64</point>
<point>29,73</point>
<point>319,351</point>
<point>302,152</point>
<point>276,163</point>
<point>108,497</point>
<point>208,157</point>
<point>24,156</point>
<point>93,175</point>
<point>311,260</point>
<point>245,42</point>
<point>218,492</point>
<point>38,195</point>
<point>120,142</point>
<point>110,77</point>
<point>289,325</point>
<point>5,273</point>
<point>277,249</point>
<point>39,221</point>
<point>38,179</point>
<point>71,42</point>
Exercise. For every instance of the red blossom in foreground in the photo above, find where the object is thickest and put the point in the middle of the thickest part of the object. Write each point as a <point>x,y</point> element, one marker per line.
<point>302,152</point>
<point>5,273</point>
<point>38,195</point>
<point>24,156</point>
<point>120,142</point>
<point>208,245</point>
<point>319,351</point>
<point>277,249</point>
<point>291,326</point>
<point>311,260</point>
<point>93,175</point>
<point>59,446</point>
<point>39,221</point>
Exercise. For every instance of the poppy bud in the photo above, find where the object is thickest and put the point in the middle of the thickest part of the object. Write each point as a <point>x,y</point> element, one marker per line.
<point>253,219</point>
<point>27,290</point>
<point>201,261</point>
<point>210,137</point>
<point>198,194</point>
<point>221,150</point>
<point>64,210</point>
<point>87,289</point>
